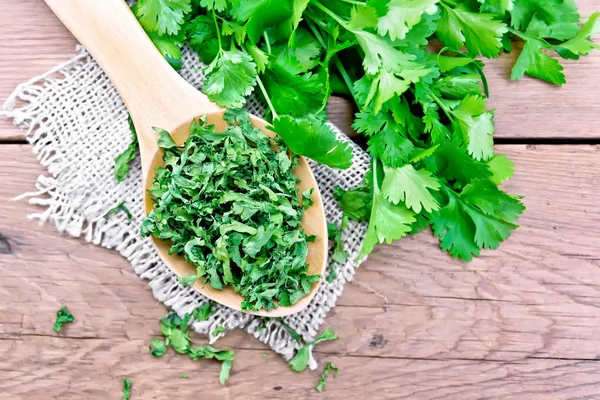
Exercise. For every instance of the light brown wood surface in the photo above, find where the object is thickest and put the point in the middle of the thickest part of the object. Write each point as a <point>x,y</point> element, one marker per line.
<point>521,322</point>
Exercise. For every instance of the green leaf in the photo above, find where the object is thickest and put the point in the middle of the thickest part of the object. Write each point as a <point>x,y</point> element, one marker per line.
<point>164,139</point>
<point>311,138</point>
<point>261,14</point>
<point>410,186</point>
<point>230,78</point>
<point>124,159</point>
<point>162,16</point>
<point>217,5</point>
<point>481,217</point>
<point>458,86</point>
<point>126,389</point>
<point>388,222</point>
<point>168,45</point>
<point>534,62</point>
<point>300,360</point>
<point>328,368</point>
<point>501,167</point>
<point>581,43</point>
<point>549,11</point>
<point>63,317</point>
<point>158,348</point>
<point>480,33</point>
<point>496,6</point>
<point>295,94</point>
<point>202,37</point>
<point>120,207</point>
<point>397,17</point>
<point>219,329</point>
<point>204,312</point>
<point>392,148</point>
<point>225,371</point>
<point>476,125</point>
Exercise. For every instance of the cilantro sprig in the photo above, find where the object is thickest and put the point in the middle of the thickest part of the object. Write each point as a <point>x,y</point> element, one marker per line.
<point>424,113</point>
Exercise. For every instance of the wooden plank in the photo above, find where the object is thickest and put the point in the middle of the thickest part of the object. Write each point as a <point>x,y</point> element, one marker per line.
<point>535,297</point>
<point>35,41</point>
<point>53,367</point>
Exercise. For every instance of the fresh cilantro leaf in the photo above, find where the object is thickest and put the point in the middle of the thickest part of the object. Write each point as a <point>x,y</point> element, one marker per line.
<point>261,14</point>
<point>480,33</point>
<point>183,376</point>
<point>230,77</point>
<point>295,94</point>
<point>496,6</point>
<point>124,159</point>
<point>204,312</point>
<point>311,138</point>
<point>410,186</point>
<point>63,317</point>
<point>549,11</point>
<point>533,61</point>
<point>120,207</point>
<point>476,126</point>
<point>451,162</point>
<point>300,360</point>
<point>458,86</point>
<point>158,347</point>
<point>162,16</point>
<point>202,37</point>
<point>126,389</point>
<point>355,203</point>
<point>328,368</point>
<point>501,168</point>
<point>581,44</point>
<point>388,221</point>
<point>390,146</point>
<point>225,371</point>
<point>219,329</point>
<point>217,5</point>
<point>397,17</point>
<point>482,216</point>
<point>169,46</point>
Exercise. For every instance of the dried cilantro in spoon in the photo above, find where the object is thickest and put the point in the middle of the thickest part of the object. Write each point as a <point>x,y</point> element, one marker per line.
<point>228,203</point>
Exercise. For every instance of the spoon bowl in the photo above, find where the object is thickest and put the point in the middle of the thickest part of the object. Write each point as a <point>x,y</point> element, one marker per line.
<point>156,96</point>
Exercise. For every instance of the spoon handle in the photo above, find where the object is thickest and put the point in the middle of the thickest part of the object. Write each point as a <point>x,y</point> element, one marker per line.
<point>152,90</point>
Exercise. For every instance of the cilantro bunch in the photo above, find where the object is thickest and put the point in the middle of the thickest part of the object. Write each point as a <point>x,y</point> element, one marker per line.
<point>229,204</point>
<point>422,107</point>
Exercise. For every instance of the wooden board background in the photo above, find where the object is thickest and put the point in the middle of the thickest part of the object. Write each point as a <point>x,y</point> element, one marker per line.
<point>520,322</point>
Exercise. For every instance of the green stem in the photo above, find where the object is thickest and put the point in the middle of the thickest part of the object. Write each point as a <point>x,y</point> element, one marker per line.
<point>358,3</point>
<point>217,28</point>
<point>520,35</point>
<point>346,78</point>
<point>267,42</point>
<point>316,33</point>
<point>267,98</point>
<point>450,3</point>
<point>328,12</point>
<point>442,106</point>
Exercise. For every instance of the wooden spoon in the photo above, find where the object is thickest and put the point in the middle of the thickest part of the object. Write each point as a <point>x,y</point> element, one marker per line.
<point>156,96</point>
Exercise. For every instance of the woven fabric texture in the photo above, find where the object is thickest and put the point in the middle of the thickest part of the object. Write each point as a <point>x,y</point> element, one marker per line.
<point>77,125</point>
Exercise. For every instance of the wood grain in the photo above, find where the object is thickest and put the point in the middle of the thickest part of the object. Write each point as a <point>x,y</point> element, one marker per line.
<point>519,321</point>
<point>33,41</point>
